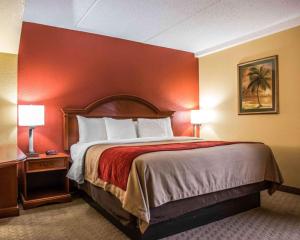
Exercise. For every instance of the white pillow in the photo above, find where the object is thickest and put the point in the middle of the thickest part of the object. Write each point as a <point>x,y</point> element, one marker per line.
<point>155,127</point>
<point>91,129</point>
<point>120,128</point>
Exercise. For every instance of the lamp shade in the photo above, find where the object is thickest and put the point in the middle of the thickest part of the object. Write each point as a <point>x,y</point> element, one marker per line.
<point>31,115</point>
<point>199,116</point>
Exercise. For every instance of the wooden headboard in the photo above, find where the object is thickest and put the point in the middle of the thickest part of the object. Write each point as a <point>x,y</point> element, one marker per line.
<point>118,106</point>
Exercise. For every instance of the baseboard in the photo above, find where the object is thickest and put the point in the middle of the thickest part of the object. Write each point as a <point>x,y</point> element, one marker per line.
<point>289,189</point>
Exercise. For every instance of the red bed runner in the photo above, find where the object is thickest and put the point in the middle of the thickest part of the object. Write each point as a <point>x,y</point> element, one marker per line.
<point>115,162</point>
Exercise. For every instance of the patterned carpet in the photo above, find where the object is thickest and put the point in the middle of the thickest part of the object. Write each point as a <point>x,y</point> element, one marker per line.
<point>278,218</point>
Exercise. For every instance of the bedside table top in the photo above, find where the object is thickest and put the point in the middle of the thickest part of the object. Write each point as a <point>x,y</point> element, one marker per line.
<point>44,156</point>
<point>10,152</point>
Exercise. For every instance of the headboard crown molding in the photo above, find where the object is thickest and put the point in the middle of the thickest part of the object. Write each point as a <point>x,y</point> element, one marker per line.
<point>116,106</point>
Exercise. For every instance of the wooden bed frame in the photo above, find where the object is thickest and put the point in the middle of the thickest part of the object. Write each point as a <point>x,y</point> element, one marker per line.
<point>126,106</point>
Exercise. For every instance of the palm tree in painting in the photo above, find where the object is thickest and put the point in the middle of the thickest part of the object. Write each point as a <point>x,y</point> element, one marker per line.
<point>258,80</point>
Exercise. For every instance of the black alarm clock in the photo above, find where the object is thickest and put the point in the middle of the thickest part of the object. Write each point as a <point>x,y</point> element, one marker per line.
<point>51,152</point>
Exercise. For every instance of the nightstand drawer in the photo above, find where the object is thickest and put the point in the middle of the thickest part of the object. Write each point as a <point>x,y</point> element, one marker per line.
<point>46,164</point>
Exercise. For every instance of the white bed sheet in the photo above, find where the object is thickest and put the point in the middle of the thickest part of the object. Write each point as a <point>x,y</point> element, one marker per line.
<point>79,150</point>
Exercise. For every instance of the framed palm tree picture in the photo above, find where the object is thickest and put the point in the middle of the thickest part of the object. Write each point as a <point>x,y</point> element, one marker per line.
<point>258,86</point>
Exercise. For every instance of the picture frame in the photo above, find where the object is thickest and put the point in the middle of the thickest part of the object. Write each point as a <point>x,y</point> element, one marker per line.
<point>258,89</point>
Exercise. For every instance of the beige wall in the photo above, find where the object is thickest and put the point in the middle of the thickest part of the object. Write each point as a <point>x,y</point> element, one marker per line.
<point>8,98</point>
<point>218,92</point>
<point>10,25</point>
<point>10,29</point>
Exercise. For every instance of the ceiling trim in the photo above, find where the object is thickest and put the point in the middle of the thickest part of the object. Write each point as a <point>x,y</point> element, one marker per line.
<point>274,28</point>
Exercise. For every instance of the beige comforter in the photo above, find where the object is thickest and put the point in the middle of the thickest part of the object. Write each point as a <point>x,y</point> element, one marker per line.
<point>160,177</point>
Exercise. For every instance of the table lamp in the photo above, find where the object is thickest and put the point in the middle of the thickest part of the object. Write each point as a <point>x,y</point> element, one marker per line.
<point>31,116</point>
<point>198,117</point>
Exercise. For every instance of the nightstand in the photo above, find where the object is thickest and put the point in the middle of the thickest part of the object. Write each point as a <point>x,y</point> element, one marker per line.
<point>43,180</point>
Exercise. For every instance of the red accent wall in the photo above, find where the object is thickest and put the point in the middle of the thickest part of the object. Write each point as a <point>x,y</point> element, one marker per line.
<point>65,68</point>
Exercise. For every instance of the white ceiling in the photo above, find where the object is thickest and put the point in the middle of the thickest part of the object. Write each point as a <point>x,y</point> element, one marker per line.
<point>198,26</point>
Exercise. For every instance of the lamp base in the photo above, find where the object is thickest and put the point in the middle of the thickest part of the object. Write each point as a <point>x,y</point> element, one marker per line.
<point>196,128</point>
<point>31,152</point>
<point>34,154</point>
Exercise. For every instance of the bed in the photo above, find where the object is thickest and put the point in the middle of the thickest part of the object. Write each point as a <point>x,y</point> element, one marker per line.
<point>166,189</point>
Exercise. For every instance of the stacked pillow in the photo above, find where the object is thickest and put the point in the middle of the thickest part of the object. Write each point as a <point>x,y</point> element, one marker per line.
<point>91,129</point>
<point>120,128</point>
<point>99,129</point>
<point>154,127</point>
